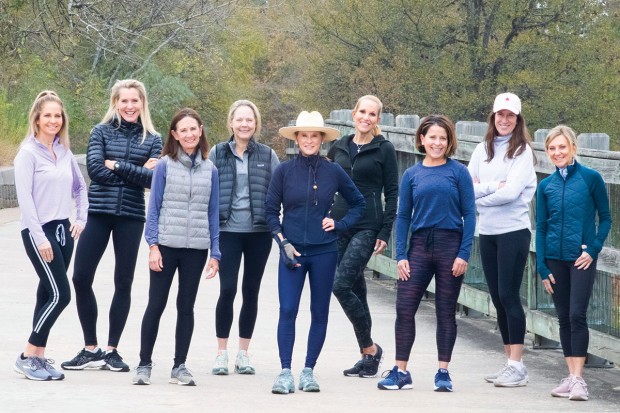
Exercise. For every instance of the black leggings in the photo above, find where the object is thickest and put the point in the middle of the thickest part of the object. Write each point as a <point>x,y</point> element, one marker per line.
<point>571,295</point>
<point>255,248</point>
<point>503,259</point>
<point>190,263</point>
<point>126,234</point>
<point>53,292</point>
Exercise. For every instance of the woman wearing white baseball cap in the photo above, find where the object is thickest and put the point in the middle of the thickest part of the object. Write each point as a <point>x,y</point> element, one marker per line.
<point>304,189</point>
<point>502,168</point>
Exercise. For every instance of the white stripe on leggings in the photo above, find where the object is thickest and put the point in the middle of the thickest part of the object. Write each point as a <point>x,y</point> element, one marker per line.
<point>50,277</point>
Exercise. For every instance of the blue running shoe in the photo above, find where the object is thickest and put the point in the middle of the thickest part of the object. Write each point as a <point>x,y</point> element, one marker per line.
<point>443,381</point>
<point>395,380</point>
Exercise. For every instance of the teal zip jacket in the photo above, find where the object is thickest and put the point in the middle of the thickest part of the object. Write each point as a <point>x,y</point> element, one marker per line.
<point>566,216</point>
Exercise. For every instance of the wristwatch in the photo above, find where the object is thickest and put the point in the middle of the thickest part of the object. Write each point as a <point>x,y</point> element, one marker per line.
<point>116,166</point>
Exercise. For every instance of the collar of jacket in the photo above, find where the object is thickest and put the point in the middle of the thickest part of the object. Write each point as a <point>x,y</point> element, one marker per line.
<point>251,144</point>
<point>126,126</point>
<point>376,141</point>
<point>570,169</point>
<point>186,160</point>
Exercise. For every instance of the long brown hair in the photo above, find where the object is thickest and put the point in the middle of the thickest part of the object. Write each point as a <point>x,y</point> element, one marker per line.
<point>517,143</point>
<point>172,146</point>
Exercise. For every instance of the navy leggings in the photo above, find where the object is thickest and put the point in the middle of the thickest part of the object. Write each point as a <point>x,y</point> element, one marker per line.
<point>571,295</point>
<point>126,234</point>
<point>190,263</point>
<point>255,248</point>
<point>53,292</point>
<point>431,253</point>
<point>503,259</point>
<point>320,269</point>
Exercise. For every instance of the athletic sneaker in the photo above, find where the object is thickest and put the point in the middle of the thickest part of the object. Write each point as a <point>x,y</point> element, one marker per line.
<point>490,378</point>
<point>220,367</point>
<point>563,390</point>
<point>143,375</point>
<point>355,370</point>
<point>307,382</point>
<point>54,374</point>
<point>395,380</point>
<point>32,368</point>
<point>443,382</point>
<point>370,363</point>
<point>578,390</point>
<point>182,376</point>
<point>242,363</point>
<point>85,359</point>
<point>284,383</point>
<point>511,377</point>
<point>114,362</point>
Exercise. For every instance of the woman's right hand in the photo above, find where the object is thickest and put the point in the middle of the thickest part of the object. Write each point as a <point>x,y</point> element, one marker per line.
<point>547,284</point>
<point>150,164</point>
<point>403,270</point>
<point>46,252</point>
<point>155,260</point>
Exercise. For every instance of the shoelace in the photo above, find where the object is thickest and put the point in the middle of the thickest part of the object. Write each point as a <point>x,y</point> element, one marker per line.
<point>48,363</point>
<point>37,363</point>
<point>183,371</point>
<point>388,373</point>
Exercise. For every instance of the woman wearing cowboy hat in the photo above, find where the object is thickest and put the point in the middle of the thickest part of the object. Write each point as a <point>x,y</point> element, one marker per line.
<point>305,187</point>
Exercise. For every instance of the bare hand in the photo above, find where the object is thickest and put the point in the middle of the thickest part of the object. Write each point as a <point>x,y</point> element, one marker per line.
<point>155,261</point>
<point>76,230</point>
<point>150,164</point>
<point>584,261</point>
<point>403,270</point>
<point>380,245</point>
<point>328,224</point>
<point>476,180</point>
<point>109,164</point>
<point>547,284</point>
<point>46,252</point>
<point>212,268</point>
<point>459,267</point>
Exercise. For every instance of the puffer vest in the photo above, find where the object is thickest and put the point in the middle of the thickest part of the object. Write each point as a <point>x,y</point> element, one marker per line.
<point>259,175</point>
<point>184,214</point>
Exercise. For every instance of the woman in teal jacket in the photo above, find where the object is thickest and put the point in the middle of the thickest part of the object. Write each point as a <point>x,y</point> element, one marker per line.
<point>567,246</point>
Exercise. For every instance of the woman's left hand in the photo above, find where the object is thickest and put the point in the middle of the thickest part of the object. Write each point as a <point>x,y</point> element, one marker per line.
<point>328,224</point>
<point>459,267</point>
<point>109,164</point>
<point>584,261</point>
<point>380,245</point>
<point>76,230</point>
<point>212,268</point>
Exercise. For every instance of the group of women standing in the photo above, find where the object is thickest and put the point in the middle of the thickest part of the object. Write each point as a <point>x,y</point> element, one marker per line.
<point>211,208</point>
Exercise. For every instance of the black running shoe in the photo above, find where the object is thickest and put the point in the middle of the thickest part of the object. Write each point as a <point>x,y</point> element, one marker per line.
<point>85,359</point>
<point>355,370</point>
<point>370,363</point>
<point>114,362</point>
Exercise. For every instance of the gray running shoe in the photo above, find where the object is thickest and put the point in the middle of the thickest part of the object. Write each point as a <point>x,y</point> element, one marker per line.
<point>242,363</point>
<point>307,382</point>
<point>511,377</point>
<point>55,374</point>
<point>220,367</point>
<point>490,378</point>
<point>32,368</point>
<point>182,376</point>
<point>143,375</point>
<point>284,383</point>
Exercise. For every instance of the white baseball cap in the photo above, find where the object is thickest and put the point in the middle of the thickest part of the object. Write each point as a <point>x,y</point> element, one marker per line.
<point>508,101</point>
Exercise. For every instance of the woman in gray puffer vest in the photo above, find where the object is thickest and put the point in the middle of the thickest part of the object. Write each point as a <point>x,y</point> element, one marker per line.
<point>181,226</point>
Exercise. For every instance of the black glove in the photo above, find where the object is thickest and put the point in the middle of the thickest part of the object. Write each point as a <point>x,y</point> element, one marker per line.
<point>287,253</point>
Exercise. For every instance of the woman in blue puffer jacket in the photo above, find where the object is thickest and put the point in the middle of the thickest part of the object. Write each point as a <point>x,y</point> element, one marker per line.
<point>122,152</point>
<point>567,246</point>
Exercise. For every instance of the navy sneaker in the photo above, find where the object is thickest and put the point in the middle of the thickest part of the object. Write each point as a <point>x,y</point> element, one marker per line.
<point>355,370</point>
<point>371,363</point>
<point>395,380</point>
<point>443,381</point>
<point>114,362</point>
<point>85,359</point>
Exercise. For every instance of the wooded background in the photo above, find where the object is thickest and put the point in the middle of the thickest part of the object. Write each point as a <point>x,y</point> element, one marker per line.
<point>562,57</point>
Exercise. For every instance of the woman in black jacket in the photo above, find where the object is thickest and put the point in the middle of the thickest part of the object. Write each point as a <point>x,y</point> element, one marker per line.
<point>122,152</point>
<point>370,160</point>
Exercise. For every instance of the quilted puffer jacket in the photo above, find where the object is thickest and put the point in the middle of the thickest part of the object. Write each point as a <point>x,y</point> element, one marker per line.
<point>566,213</point>
<point>120,192</point>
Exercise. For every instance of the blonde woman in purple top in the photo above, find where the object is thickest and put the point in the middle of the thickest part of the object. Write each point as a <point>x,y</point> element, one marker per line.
<point>47,177</point>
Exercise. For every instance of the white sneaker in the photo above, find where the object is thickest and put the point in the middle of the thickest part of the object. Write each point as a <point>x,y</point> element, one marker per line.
<point>490,378</point>
<point>242,363</point>
<point>511,377</point>
<point>220,367</point>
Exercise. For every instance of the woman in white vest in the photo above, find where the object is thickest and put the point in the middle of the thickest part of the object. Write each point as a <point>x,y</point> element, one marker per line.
<point>182,225</point>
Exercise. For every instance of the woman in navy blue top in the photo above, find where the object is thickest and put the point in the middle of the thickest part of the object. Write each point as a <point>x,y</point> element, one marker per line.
<point>437,205</point>
<point>305,187</point>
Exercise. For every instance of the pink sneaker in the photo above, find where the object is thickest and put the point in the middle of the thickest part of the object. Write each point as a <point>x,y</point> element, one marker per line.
<point>563,390</point>
<point>578,389</point>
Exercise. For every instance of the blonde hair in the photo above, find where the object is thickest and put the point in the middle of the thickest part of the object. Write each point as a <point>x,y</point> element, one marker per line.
<point>376,130</point>
<point>145,114</point>
<point>35,112</point>
<point>242,102</point>
<point>568,133</point>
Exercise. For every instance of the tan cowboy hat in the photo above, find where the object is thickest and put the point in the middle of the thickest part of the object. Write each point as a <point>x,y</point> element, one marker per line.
<point>310,122</point>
